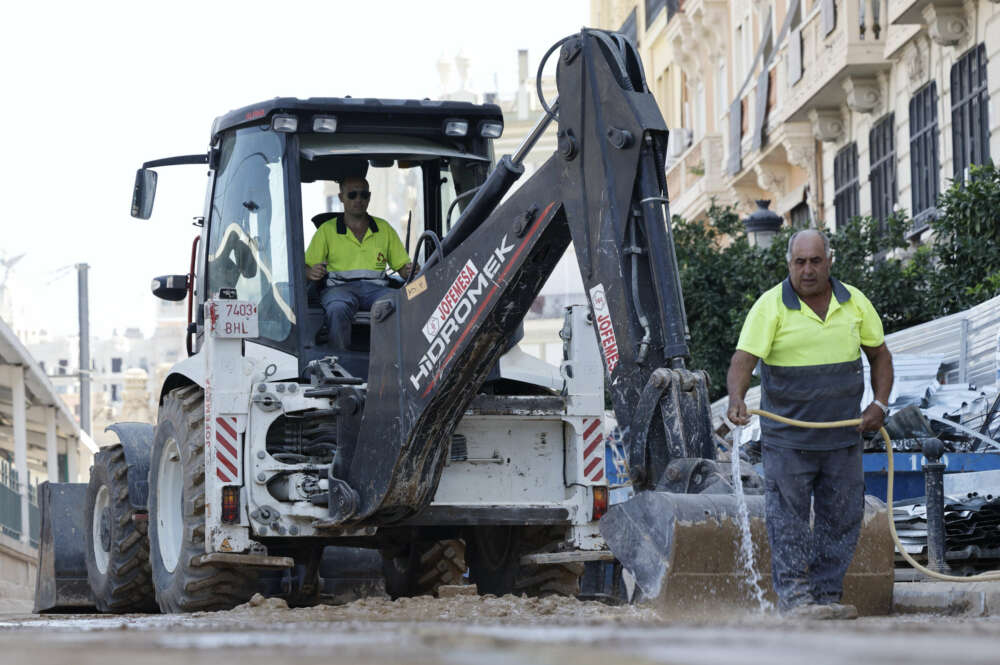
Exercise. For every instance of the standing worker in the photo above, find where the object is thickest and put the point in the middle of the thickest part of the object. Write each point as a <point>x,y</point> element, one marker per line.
<point>808,333</point>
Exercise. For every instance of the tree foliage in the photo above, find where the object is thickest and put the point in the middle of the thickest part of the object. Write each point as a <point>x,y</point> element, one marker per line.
<point>967,243</point>
<point>722,274</point>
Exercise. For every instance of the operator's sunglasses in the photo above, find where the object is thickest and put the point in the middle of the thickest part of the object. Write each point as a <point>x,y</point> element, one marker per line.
<point>355,194</point>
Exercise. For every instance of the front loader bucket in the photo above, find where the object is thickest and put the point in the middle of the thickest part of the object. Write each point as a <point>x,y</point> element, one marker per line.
<point>62,584</point>
<point>684,552</point>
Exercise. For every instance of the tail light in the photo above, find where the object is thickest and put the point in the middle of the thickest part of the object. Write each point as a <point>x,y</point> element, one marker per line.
<point>230,504</point>
<point>600,501</point>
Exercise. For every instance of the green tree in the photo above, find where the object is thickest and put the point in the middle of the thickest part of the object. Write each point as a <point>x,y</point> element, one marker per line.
<point>966,243</point>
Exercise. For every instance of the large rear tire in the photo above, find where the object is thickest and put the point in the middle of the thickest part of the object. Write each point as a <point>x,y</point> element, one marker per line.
<point>117,553</point>
<point>495,562</point>
<point>419,569</point>
<point>177,514</point>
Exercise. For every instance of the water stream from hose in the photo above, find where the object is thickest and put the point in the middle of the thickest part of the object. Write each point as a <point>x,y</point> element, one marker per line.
<point>746,555</point>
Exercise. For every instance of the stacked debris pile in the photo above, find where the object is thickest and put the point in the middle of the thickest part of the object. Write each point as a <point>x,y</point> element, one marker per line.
<point>972,532</point>
<point>964,425</point>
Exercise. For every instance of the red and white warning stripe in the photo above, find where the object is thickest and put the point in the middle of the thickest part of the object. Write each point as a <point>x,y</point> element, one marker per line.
<point>227,450</point>
<point>593,449</point>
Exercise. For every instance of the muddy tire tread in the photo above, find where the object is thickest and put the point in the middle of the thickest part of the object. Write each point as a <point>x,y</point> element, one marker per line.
<point>192,588</point>
<point>127,586</point>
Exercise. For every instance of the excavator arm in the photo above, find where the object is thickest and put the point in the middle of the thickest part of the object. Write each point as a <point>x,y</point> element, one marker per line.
<point>434,342</point>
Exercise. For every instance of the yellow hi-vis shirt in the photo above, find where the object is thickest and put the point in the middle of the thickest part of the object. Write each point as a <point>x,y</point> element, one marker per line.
<point>811,368</point>
<point>338,247</point>
<point>783,331</point>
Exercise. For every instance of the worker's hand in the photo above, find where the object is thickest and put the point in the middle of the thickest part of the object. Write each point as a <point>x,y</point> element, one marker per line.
<point>872,419</point>
<point>316,272</point>
<point>737,412</point>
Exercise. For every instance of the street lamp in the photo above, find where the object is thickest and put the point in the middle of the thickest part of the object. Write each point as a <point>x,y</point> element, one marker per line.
<point>762,225</point>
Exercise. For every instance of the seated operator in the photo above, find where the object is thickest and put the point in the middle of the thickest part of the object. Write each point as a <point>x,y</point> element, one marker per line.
<point>350,251</point>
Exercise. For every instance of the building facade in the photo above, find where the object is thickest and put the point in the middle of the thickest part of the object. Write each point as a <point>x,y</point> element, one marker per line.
<point>127,369</point>
<point>828,108</point>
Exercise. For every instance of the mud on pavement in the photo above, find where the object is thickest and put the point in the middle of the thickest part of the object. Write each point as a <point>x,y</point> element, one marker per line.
<point>485,630</point>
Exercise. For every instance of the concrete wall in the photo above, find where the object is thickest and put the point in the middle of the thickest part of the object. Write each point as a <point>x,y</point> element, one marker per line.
<point>18,569</point>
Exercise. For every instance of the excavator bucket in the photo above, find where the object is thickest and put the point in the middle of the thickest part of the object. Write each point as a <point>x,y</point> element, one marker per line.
<point>684,552</point>
<point>62,584</point>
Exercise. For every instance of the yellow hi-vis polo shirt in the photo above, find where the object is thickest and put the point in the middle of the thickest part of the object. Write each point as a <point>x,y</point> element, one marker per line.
<point>783,331</point>
<point>338,247</point>
<point>810,367</point>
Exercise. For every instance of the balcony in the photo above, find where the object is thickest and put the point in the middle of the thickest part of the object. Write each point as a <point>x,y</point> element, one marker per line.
<point>841,53</point>
<point>946,20</point>
<point>697,177</point>
<point>909,12</point>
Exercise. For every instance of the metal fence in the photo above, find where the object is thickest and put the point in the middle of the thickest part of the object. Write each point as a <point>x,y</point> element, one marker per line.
<point>10,505</point>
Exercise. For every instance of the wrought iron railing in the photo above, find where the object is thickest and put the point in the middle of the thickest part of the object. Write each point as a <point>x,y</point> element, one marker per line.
<point>10,505</point>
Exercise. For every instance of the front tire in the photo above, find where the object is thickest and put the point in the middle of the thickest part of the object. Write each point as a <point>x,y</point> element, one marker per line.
<point>177,514</point>
<point>118,568</point>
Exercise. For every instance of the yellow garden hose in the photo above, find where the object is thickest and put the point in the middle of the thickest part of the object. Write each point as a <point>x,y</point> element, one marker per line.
<point>854,422</point>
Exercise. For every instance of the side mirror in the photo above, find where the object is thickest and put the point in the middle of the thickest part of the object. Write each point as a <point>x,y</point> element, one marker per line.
<point>143,193</point>
<point>171,287</point>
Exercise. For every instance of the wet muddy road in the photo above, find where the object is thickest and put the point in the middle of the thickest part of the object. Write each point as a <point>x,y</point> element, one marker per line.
<point>487,630</point>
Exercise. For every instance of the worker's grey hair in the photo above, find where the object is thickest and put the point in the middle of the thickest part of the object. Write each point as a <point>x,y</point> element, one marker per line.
<point>826,243</point>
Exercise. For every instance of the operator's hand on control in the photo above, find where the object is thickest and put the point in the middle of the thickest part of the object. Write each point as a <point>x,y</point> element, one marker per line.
<point>872,419</point>
<point>316,272</point>
<point>737,412</point>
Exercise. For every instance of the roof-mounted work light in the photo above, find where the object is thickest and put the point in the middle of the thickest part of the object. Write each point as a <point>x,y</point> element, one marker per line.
<point>490,129</point>
<point>283,122</point>
<point>325,124</point>
<point>456,127</point>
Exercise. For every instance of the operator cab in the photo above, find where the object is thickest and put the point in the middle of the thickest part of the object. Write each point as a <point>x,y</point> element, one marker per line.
<point>413,182</point>
<point>274,170</point>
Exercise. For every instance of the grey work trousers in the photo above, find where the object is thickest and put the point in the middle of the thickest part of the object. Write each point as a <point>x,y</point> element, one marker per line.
<point>808,563</point>
<point>343,301</point>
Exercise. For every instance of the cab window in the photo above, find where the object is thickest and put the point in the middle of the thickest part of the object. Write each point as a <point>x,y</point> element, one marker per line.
<point>247,248</point>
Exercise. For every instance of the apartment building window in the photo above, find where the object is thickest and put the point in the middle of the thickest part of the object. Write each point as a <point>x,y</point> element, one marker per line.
<point>630,29</point>
<point>698,121</point>
<point>116,365</point>
<point>744,42</point>
<point>970,129</point>
<point>799,216</point>
<point>720,92</point>
<point>686,120</point>
<point>653,8</point>
<point>882,148</point>
<point>924,163</point>
<point>845,183</point>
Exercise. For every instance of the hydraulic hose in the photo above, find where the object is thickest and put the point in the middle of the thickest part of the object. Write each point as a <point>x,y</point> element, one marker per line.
<point>994,575</point>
